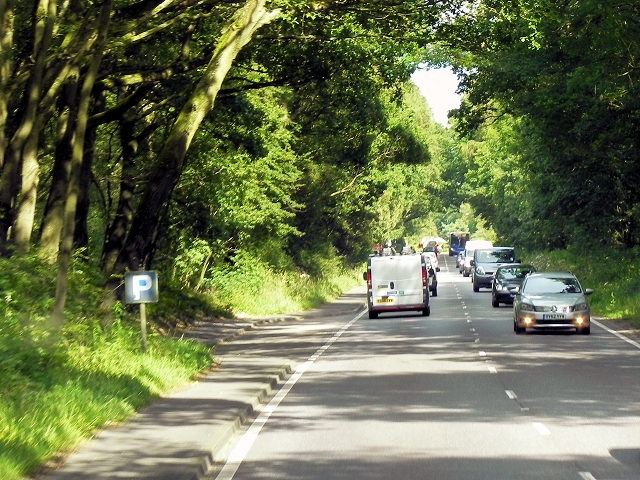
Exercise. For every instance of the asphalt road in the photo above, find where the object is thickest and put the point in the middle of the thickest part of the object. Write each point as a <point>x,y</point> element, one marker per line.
<point>457,395</point>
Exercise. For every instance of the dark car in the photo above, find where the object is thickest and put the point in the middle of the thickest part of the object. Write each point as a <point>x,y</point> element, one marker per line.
<point>505,279</point>
<point>486,261</point>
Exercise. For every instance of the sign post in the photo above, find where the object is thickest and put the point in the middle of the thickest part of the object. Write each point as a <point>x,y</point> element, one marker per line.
<point>141,288</point>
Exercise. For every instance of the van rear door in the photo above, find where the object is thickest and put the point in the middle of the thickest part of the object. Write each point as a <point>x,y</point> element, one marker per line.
<point>397,283</point>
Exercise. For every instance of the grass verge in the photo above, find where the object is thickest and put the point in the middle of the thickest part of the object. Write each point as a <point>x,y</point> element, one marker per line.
<point>59,387</point>
<point>613,273</point>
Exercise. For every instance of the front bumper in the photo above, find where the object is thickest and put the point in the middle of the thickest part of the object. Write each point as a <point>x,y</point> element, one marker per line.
<point>541,320</point>
<point>483,280</point>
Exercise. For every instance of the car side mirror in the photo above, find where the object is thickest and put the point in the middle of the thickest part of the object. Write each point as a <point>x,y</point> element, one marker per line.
<point>472,263</point>
<point>437,269</point>
<point>588,291</point>
<point>364,276</point>
<point>515,290</point>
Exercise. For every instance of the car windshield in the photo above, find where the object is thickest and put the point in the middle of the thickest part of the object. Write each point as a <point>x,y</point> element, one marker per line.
<point>496,256</point>
<point>513,273</point>
<point>543,285</point>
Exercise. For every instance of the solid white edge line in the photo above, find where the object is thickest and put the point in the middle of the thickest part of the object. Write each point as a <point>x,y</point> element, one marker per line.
<point>542,430</point>
<point>245,443</point>
<point>619,335</point>
<point>586,476</point>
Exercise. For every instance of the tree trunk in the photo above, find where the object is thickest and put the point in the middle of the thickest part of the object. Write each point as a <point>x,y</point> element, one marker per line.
<point>11,181</point>
<point>66,244</point>
<point>117,231</point>
<point>6,67</point>
<point>139,244</point>
<point>23,227</point>
<point>51,228</point>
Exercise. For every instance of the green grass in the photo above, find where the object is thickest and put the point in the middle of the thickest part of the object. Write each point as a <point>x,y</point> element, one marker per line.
<point>58,388</point>
<point>613,273</point>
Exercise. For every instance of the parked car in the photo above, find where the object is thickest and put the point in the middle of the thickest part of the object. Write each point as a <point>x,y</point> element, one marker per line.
<point>469,250</point>
<point>484,264</point>
<point>551,300</point>
<point>506,278</point>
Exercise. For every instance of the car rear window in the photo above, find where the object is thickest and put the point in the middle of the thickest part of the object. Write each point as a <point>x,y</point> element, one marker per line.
<point>544,285</point>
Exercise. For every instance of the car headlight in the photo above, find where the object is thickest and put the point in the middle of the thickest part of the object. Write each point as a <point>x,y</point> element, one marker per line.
<point>480,270</point>
<point>579,307</point>
<point>527,307</point>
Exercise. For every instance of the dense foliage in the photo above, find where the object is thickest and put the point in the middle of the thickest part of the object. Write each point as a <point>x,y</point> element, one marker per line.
<point>552,117</point>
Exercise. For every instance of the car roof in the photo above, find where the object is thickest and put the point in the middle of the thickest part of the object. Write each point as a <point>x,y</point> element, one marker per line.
<point>515,264</point>
<point>553,275</point>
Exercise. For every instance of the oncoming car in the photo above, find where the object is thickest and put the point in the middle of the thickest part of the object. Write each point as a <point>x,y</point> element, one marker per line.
<point>506,278</point>
<point>551,300</point>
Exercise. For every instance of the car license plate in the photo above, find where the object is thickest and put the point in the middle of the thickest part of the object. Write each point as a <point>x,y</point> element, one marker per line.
<point>553,316</point>
<point>384,300</point>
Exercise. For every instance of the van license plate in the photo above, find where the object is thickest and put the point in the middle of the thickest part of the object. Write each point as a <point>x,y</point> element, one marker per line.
<point>384,300</point>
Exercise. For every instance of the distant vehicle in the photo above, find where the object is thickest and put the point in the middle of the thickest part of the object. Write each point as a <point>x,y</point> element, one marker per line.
<point>486,261</point>
<point>432,269</point>
<point>460,261</point>
<point>433,259</point>
<point>431,244</point>
<point>469,249</point>
<point>506,278</point>
<point>551,300</point>
<point>457,242</point>
<point>397,283</point>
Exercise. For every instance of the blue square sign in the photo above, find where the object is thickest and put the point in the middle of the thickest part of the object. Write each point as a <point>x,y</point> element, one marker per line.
<point>141,287</point>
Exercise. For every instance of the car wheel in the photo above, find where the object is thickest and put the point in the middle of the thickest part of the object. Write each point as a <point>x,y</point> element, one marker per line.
<point>465,273</point>
<point>585,330</point>
<point>476,287</point>
<point>434,293</point>
<point>373,314</point>
<point>427,311</point>
<point>518,329</point>
<point>494,302</point>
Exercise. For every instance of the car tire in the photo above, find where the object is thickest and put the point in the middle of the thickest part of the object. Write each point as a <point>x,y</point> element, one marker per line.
<point>476,287</point>
<point>434,292</point>
<point>427,311</point>
<point>465,273</point>
<point>494,302</point>
<point>585,330</point>
<point>373,315</point>
<point>518,329</point>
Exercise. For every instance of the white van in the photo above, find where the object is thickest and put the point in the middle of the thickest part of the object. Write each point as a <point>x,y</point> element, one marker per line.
<point>469,248</point>
<point>397,283</point>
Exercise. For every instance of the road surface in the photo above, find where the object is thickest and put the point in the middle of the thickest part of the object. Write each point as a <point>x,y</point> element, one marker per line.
<point>457,395</point>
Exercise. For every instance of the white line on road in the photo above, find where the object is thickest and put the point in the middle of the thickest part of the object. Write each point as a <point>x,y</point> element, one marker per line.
<point>619,335</point>
<point>586,475</point>
<point>482,354</point>
<point>542,430</point>
<point>511,394</point>
<point>493,370</point>
<point>243,446</point>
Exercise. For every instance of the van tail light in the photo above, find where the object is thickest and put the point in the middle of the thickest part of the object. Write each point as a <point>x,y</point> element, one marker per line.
<point>369,278</point>
<point>425,278</point>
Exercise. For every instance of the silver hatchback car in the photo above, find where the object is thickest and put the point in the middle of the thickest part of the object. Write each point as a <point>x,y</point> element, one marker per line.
<point>551,300</point>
